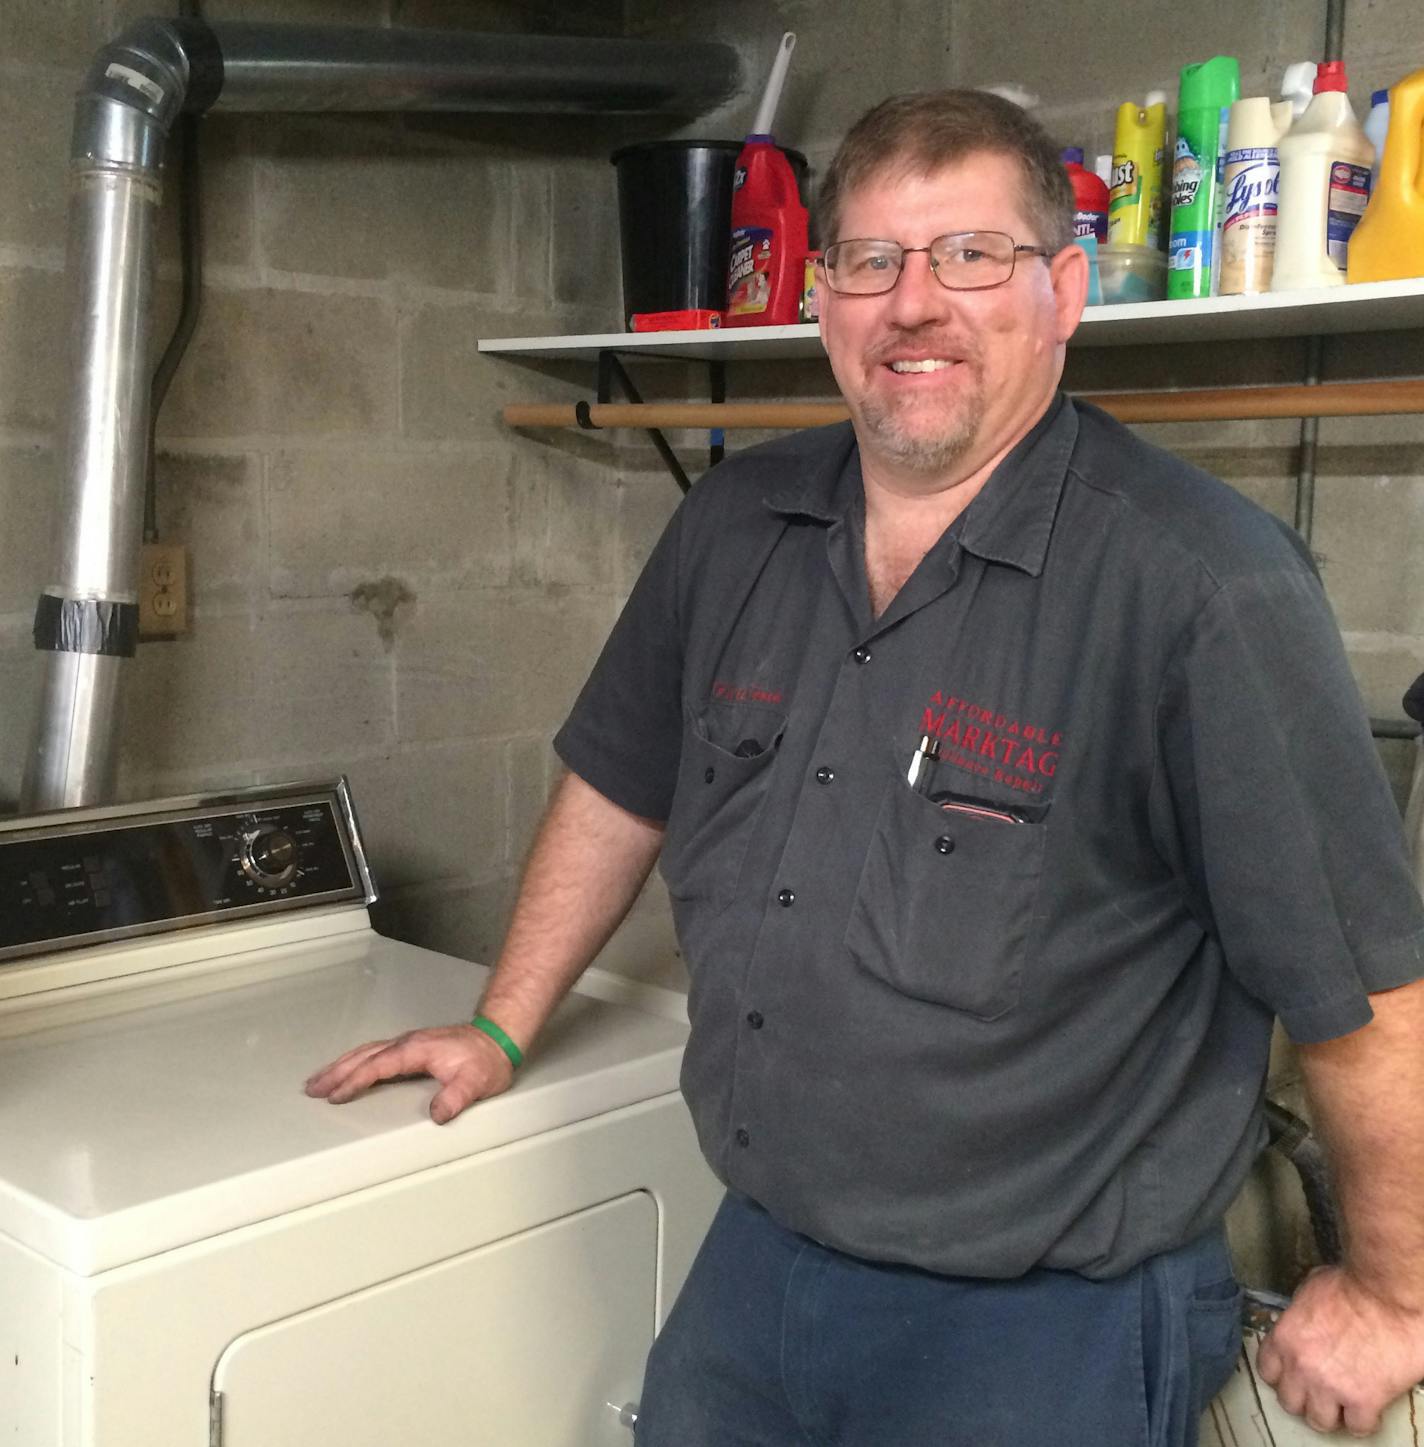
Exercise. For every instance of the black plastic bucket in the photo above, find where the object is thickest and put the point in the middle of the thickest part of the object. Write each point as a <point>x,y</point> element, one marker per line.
<point>675,219</point>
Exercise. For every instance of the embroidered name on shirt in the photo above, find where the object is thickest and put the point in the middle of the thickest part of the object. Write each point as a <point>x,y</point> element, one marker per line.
<point>744,693</point>
<point>991,744</point>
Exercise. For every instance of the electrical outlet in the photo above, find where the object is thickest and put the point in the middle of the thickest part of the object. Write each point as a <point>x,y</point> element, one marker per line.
<point>162,590</point>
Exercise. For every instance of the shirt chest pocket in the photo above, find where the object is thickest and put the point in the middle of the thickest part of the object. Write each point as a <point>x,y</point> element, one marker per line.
<point>945,903</point>
<point>721,784</point>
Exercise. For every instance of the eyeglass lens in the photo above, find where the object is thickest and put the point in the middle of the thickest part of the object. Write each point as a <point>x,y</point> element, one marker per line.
<point>964,261</point>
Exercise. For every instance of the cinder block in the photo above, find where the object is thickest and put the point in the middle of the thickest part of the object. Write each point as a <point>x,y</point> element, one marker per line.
<point>580,532</point>
<point>1370,530</point>
<point>36,113</point>
<point>527,764</point>
<point>585,238</point>
<point>225,142</point>
<point>1384,666</point>
<point>530,247</point>
<point>435,813</point>
<point>439,522</point>
<point>376,202</point>
<point>467,921</point>
<point>1367,355</point>
<point>1384,41</point>
<point>300,685</point>
<point>212,503</point>
<point>644,947</point>
<point>647,501</point>
<point>196,699</point>
<point>288,362</point>
<point>33,343</point>
<point>500,663</point>
<point>329,678</point>
<point>1069,53</point>
<point>1202,364</point>
<point>29,480</point>
<point>450,391</point>
<point>52,32</point>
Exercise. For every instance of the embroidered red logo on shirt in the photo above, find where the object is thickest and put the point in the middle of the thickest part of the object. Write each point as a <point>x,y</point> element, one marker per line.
<point>744,693</point>
<point>994,745</point>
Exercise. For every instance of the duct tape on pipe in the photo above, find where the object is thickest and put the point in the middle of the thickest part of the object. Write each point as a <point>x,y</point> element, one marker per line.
<point>86,625</point>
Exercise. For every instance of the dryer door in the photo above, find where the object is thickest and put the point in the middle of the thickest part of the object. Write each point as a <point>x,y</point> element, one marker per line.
<point>533,1341</point>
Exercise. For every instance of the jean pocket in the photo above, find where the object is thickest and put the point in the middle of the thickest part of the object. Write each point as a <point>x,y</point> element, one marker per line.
<point>1214,1339</point>
<point>945,904</point>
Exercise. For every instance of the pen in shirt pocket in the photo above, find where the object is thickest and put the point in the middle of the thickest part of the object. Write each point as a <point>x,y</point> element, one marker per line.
<point>922,763</point>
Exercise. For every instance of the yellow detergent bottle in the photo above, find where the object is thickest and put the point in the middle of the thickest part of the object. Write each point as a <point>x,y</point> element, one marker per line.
<point>1389,241</point>
<point>1139,154</point>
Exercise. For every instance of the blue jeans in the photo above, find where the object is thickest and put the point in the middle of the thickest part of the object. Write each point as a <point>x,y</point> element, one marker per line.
<point>777,1341</point>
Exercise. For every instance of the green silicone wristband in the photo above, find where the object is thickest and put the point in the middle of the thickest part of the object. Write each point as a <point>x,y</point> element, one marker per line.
<point>516,1055</point>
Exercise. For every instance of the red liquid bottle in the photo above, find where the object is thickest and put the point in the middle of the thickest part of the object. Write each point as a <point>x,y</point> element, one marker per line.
<point>766,271</point>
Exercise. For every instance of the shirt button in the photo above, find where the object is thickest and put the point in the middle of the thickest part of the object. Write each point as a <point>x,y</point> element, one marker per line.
<point>861,655</point>
<point>755,1019</point>
<point>709,776</point>
<point>743,1136</point>
<point>824,775</point>
<point>786,898</point>
<point>944,844</point>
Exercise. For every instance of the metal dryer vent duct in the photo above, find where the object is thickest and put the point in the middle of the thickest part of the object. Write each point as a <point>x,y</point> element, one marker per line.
<point>86,621</point>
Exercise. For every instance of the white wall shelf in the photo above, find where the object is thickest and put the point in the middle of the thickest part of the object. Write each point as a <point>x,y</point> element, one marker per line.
<point>1369,307</point>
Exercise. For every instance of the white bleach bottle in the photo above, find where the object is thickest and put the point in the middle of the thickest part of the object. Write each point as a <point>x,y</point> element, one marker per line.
<point>1376,129</point>
<point>1325,186</point>
<point>1252,182</point>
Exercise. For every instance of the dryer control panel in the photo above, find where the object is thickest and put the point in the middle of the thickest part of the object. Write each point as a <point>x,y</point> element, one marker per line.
<point>86,876</point>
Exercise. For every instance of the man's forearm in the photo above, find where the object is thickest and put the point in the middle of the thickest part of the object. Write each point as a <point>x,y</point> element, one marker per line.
<point>589,860</point>
<point>1367,1090</point>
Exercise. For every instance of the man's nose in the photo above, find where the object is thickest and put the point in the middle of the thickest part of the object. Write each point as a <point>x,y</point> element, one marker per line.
<point>917,296</point>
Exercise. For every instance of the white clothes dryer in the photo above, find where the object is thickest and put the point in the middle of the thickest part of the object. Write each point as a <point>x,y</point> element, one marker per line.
<point>192,1250</point>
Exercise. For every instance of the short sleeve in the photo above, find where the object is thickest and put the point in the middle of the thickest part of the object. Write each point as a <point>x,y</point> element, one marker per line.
<point>1270,793</point>
<point>624,735</point>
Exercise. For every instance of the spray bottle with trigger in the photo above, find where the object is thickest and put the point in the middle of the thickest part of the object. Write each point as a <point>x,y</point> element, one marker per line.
<point>769,227</point>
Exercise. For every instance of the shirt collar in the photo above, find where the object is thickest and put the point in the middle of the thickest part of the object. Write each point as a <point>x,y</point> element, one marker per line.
<point>1011,519</point>
<point>828,481</point>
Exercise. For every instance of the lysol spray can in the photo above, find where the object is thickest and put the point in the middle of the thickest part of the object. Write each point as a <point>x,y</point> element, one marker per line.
<point>1139,153</point>
<point>1207,92</point>
<point>1252,186</point>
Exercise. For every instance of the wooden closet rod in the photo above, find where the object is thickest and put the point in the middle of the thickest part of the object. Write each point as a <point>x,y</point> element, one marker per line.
<point>1214,404</point>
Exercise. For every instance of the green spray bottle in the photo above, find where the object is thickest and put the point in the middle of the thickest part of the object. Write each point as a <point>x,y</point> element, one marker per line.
<point>1207,93</point>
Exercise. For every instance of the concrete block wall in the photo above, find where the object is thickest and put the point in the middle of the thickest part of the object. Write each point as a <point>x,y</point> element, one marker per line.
<point>384,580</point>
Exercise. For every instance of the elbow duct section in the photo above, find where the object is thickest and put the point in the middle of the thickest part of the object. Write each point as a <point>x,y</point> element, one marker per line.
<point>86,619</point>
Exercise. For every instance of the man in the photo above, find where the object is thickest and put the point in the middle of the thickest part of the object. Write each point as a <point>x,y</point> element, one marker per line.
<point>1008,778</point>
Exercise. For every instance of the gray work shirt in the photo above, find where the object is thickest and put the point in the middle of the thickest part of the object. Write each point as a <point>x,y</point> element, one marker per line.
<point>974,1043</point>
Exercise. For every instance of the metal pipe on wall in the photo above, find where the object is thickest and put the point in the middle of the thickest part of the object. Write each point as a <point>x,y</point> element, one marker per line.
<point>86,620</point>
<point>1315,350</point>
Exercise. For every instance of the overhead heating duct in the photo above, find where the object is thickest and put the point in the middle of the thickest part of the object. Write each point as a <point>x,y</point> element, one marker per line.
<point>86,620</point>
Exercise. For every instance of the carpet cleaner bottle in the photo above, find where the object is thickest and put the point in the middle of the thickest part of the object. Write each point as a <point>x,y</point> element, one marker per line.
<point>1207,93</point>
<point>766,270</point>
<point>1389,241</point>
<point>1325,185</point>
<point>1090,196</point>
<point>1253,185</point>
<point>1139,153</point>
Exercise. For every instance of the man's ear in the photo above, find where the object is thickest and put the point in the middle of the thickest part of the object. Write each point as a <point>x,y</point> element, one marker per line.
<point>1068,273</point>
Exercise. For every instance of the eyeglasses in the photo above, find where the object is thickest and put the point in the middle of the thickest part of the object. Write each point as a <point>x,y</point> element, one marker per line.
<point>961,261</point>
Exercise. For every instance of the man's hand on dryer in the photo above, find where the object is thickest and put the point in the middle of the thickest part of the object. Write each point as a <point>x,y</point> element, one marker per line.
<point>466,1062</point>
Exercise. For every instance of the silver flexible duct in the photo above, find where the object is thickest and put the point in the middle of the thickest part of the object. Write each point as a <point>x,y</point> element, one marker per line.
<point>86,621</point>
